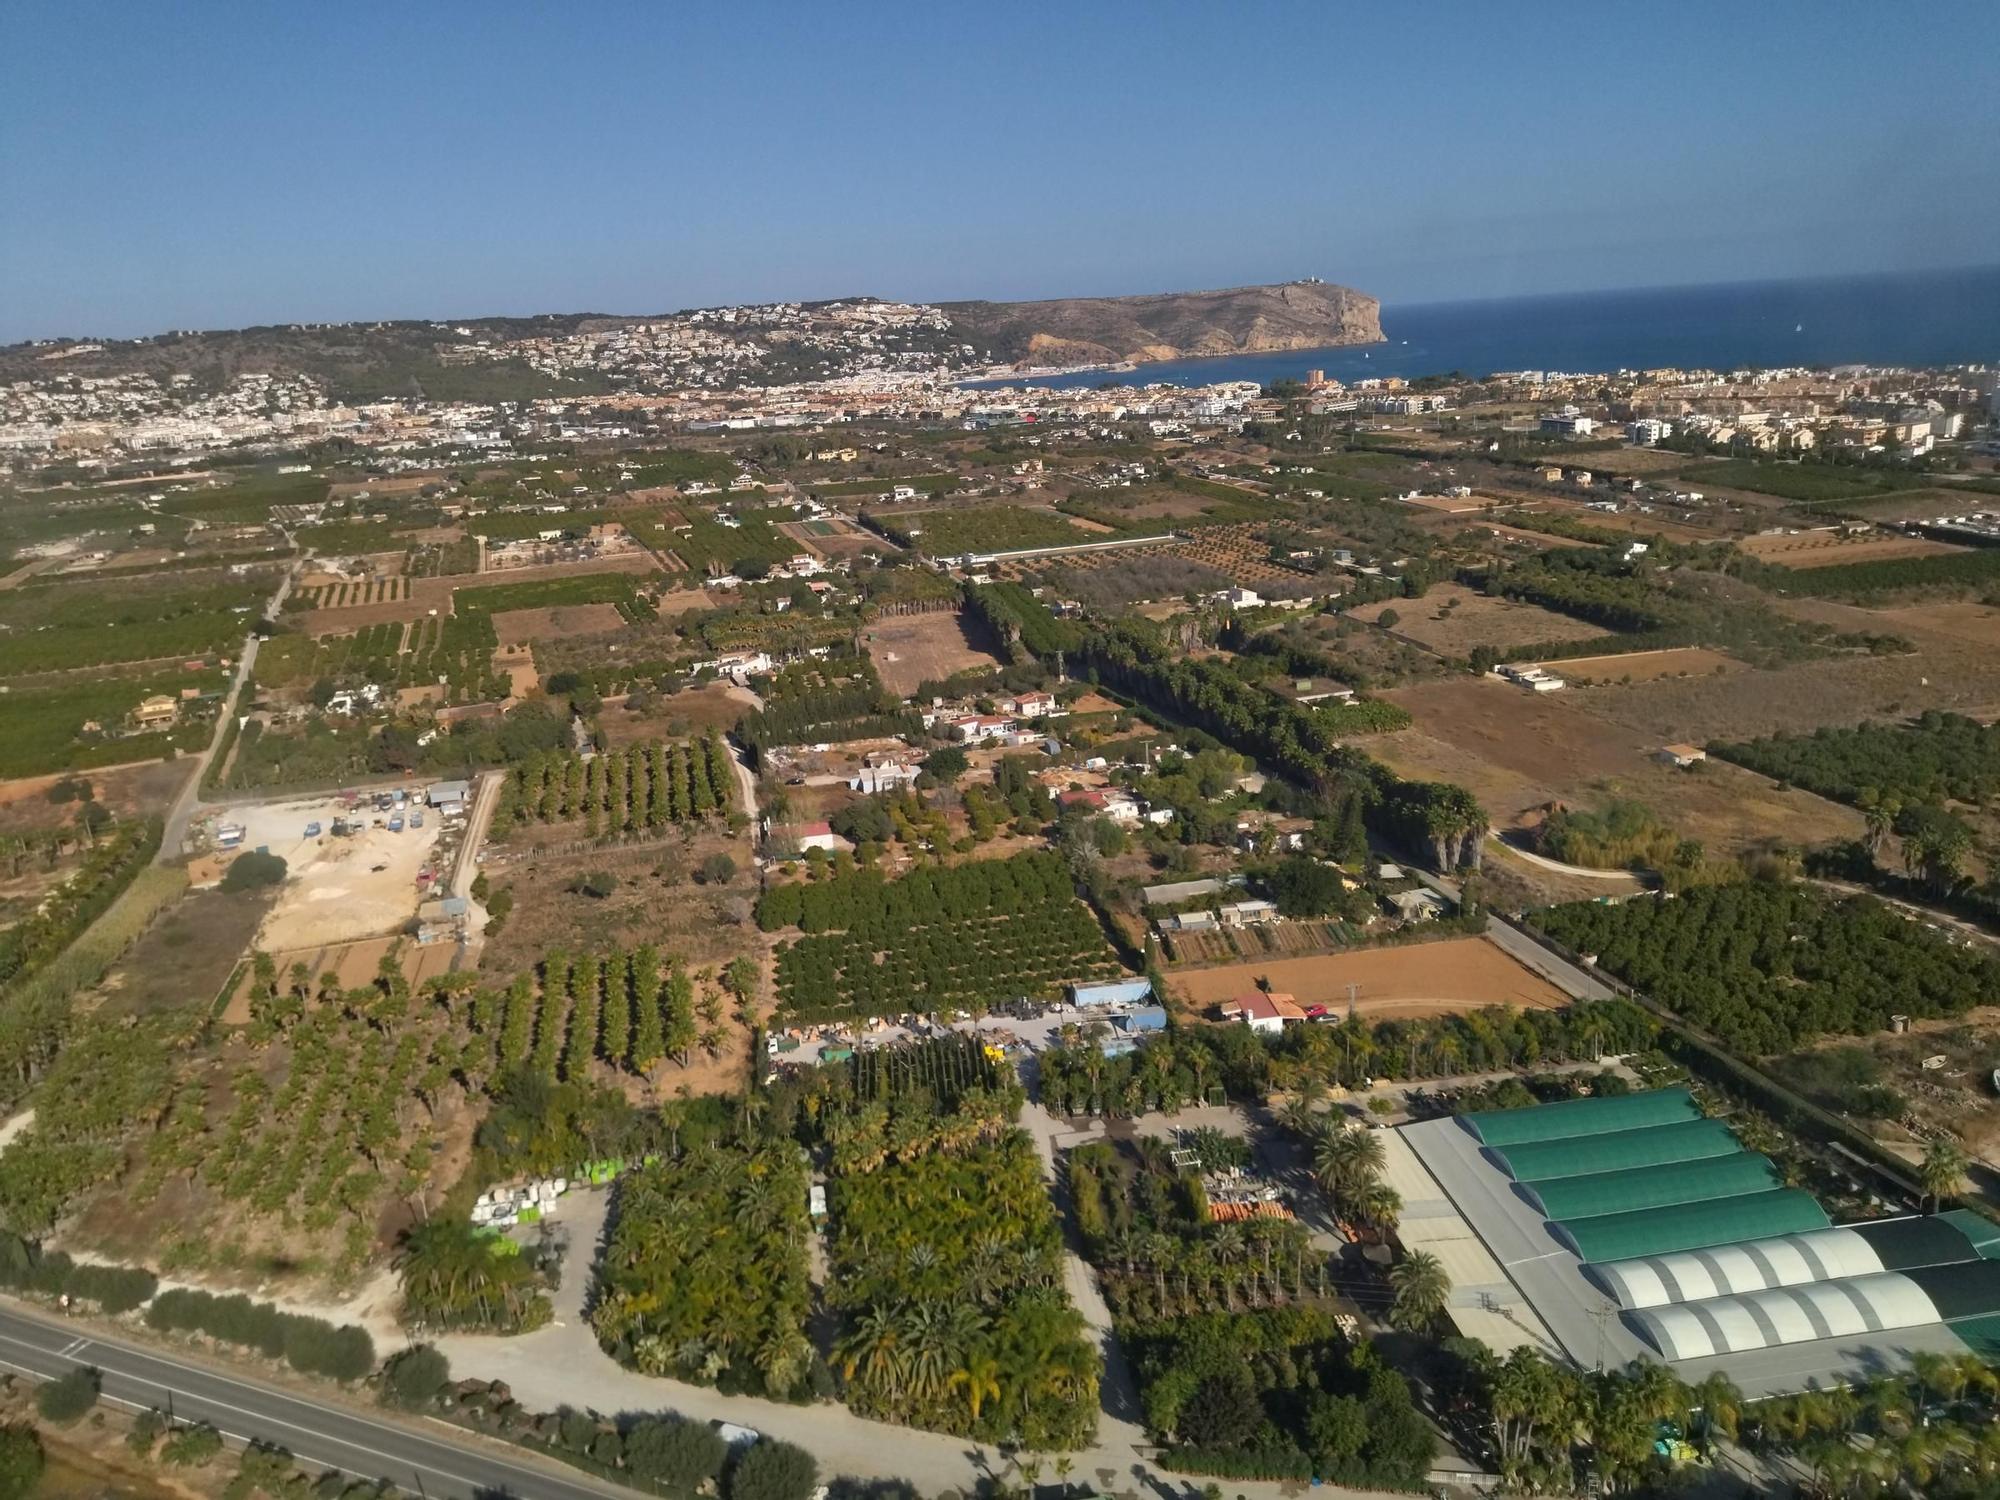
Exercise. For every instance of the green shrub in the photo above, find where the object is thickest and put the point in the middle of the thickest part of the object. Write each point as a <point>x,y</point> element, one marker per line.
<point>146,1430</point>
<point>190,1447</point>
<point>115,1289</point>
<point>673,1452</point>
<point>21,1461</point>
<point>771,1470</point>
<point>254,871</point>
<point>413,1378</point>
<point>70,1398</point>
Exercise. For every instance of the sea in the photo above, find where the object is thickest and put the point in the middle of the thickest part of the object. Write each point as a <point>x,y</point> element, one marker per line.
<point>1923,318</point>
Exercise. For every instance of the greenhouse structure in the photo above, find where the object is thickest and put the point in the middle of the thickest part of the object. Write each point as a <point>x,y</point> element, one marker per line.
<point>1629,1227</point>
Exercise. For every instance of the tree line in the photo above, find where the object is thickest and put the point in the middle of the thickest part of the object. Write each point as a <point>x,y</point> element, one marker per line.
<point>1765,967</point>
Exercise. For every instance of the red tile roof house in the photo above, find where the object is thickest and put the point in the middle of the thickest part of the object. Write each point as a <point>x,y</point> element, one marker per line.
<point>1262,1012</point>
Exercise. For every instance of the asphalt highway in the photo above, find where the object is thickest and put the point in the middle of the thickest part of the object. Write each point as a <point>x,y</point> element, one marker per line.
<point>424,1459</point>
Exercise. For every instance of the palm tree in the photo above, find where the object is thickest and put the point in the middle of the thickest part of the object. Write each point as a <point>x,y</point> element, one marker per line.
<point>1346,1157</point>
<point>1942,1170</point>
<point>979,1378</point>
<point>1720,1404</point>
<point>1377,1205</point>
<point>1421,1290</point>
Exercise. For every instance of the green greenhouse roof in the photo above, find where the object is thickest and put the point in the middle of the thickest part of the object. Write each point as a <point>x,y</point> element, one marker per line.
<point>1655,1187</point>
<point>1694,1226</point>
<point>1980,1230</point>
<point>1620,1151</point>
<point>1573,1117</point>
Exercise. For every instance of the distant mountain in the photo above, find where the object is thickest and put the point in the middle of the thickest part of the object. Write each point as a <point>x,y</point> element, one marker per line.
<point>1169,325</point>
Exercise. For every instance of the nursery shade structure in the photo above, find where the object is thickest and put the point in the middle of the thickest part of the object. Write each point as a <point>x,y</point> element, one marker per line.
<point>1574,1117</point>
<point>1693,1226</point>
<point>1854,1308</point>
<point>1790,1260</point>
<point>1618,1151</point>
<point>1658,1187</point>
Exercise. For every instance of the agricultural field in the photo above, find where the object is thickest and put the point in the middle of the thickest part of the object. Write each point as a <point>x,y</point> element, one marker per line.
<point>911,649</point>
<point>79,723</point>
<point>1645,666</point>
<point>61,627</point>
<point>989,528</point>
<point>835,537</point>
<point>1767,967</point>
<point>642,786</point>
<point>703,544</point>
<point>1956,667</point>
<point>188,956</point>
<point>945,1240</point>
<point>618,589</point>
<point>457,648</point>
<point>353,592</point>
<point>1451,619</point>
<point>1517,752</point>
<point>269,1131</point>
<point>1448,977</point>
<point>1110,580</point>
<point>937,940</point>
<point>521,627</point>
<point>1826,549</point>
<point>705,1277</point>
<point>348,965</point>
<point>1936,758</point>
<point>1801,483</point>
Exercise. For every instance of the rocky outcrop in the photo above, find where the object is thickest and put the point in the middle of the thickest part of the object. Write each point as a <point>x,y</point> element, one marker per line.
<point>1170,325</point>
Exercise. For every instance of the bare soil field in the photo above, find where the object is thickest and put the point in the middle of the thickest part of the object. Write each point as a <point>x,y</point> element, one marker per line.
<point>1451,505</point>
<point>1646,666</point>
<point>356,964</point>
<point>1922,505</point>
<point>186,957</point>
<point>517,627</point>
<point>1416,979</point>
<point>1956,667</point>
<point>909,649</point>
<point>1955,1098</point>
<point>518,663</point>
<point>139,786</point>
<point>1975,624</point>
<point>1451,619</point>
<point>1519,751</point>
<point>835,537</point>
<point>336,890</point>
<point>1824,549</point>
<point>714,705</point>
<point>1512,883</point>
<point>427,594</point>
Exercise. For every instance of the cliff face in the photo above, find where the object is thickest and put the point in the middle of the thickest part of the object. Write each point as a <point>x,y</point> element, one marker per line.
<point>1170,325</point>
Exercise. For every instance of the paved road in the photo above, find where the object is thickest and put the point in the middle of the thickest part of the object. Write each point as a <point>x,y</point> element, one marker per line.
<point>173,842</point>
<point>427,1460</point>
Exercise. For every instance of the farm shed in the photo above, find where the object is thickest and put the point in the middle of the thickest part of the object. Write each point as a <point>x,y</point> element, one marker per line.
<point>1118,992</point>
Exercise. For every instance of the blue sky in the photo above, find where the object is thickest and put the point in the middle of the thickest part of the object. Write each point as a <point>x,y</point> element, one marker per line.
<point>213,165</point>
